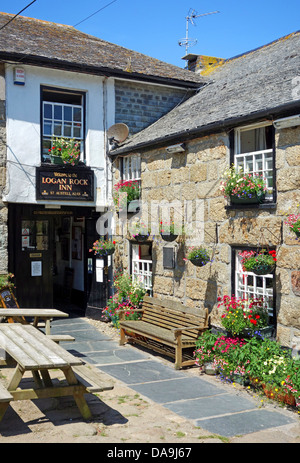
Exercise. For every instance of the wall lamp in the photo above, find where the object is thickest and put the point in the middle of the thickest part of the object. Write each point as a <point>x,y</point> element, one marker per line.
<point>179,148</point>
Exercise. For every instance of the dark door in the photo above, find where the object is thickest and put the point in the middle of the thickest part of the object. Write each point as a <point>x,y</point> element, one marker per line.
<point>34,260</point>
<point>97,280</point>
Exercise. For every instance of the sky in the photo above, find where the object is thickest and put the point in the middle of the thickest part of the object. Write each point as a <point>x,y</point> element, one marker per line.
<point>155,27</point>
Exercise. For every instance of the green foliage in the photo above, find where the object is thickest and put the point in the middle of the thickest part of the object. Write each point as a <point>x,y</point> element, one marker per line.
<point>5,281</point>
<point>125,192</point>
<point>242,185</point>
<point>66,148</point>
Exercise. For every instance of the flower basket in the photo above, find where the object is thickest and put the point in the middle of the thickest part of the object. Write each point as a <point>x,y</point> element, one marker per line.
<point>293,221</point>
<point>103,248</point>
<point>168,237</point>
<point>125,193</point>
<point>242,187</point>
<point>141,237</point>
<point>261,263</point>
<point>65,151</point>
<point>198,256</point>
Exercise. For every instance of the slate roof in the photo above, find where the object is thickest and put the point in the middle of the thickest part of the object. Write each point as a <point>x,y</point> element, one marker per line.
<point>256,84</point>
<point>45,43</point>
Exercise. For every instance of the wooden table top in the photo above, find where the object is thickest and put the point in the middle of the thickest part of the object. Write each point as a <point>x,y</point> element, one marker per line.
<point>33,350</point>
<point>42,313</point>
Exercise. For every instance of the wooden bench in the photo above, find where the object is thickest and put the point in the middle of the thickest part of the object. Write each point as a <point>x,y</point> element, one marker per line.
<point>167,327</point>
<point>93,379</point>
<point>5,399</point>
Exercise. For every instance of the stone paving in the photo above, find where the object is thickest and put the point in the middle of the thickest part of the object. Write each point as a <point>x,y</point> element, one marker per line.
<point>205,401</point>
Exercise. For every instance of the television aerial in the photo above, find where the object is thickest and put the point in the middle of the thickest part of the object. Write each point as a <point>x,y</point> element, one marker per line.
<point>117,133</point>
<point>187,42</point>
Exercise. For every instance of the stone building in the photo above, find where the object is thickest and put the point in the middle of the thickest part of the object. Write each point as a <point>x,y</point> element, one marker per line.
<point>246,114</point>
<point>57,81</point>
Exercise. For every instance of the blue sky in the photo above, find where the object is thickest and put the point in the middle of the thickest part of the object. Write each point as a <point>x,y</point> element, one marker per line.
<point>154,27</point>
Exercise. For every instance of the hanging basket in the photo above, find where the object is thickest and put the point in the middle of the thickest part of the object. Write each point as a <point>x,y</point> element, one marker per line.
<point>198,262</point>
<point>263,269</point>
<point>141,238</point>
<point>168,237</point>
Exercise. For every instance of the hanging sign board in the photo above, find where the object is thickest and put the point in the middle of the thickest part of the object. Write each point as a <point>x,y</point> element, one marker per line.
<point>19,76</point>
<point>66,183</point>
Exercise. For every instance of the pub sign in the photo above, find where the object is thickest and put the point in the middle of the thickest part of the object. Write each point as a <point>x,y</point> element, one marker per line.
<point>68,184</point>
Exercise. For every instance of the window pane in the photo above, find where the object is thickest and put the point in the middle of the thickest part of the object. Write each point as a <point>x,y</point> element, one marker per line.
<point>57,129</point>
<point>67,113</point>
<point>77,114</point>
<point>67,129</point>
<point>47,128</point>
<point>77,132</point>
<point>48,111</point>
<point>58,112</point>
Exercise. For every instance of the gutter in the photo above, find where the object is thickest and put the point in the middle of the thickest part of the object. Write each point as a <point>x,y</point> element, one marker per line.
<point>286,109</point>
<point>96,70</point>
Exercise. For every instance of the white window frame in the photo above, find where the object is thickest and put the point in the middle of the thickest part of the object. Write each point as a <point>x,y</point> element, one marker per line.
<point>259,288</point>
<point>131,167</point>
<point>141,269</point>
<point>262,161</point>
<point>63,122</point>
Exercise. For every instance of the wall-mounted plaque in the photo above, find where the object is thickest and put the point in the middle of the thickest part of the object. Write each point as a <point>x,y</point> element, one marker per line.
<point>64,183</point>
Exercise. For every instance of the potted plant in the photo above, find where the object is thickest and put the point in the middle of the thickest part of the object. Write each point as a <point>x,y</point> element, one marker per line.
<point>198,256</point>
<point>260,263</point>
<point>65,151</point>
<point>124,193</point>
<point>243,317</point>
<point>293,221</point>
<point>243,187</point>
<point>103,247</point>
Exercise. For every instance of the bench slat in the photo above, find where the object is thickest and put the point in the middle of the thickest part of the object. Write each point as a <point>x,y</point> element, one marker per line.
<point>5,395</point>
<point>93,379</point>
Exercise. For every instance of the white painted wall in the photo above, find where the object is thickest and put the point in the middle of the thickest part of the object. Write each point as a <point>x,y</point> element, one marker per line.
<point>23,129</point>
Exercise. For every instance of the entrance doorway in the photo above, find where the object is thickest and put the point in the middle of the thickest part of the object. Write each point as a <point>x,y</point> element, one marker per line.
<point>49,256</point>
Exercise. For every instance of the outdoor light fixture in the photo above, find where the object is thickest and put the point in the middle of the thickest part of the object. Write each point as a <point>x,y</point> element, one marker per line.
<point>176,148</point>
<point>287,122</point>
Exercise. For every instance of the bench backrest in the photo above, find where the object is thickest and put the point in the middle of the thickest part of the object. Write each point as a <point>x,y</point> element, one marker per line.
<point>171,314</point>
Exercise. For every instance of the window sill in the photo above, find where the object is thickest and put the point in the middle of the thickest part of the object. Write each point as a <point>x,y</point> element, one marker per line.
<point>251,206</point>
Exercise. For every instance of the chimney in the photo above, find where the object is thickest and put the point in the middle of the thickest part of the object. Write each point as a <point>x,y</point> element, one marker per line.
<point>201,64</point>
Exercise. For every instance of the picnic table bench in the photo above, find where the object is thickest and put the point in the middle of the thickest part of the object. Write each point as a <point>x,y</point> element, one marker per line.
<point>37,353</point>
<point>21,315</point>
<point>167,327</point>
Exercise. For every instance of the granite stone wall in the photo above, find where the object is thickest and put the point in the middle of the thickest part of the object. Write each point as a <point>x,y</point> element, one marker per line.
<point>3,207</point>
<point>193,178</point>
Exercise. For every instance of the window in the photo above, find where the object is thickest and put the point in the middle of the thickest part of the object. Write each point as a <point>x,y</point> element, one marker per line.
<point>254,152</point>
<point>62,116</point>
<point>131,167</point>
<point>248,285</point>
<point>141,268</point>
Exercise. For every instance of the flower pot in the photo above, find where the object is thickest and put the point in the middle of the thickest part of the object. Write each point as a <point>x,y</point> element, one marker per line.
<point>56,160</point>
<point>210,369</point>
<point>168,237</point>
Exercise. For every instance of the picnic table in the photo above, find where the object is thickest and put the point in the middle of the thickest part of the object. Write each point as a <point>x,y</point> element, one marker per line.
<point>20,315</point>
<point>35,352</point>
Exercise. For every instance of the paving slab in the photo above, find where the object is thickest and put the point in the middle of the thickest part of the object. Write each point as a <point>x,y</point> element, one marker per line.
<point>141,372</point>
<point>245,423</point>
<point>116,355</point>
<point>173,390</point>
